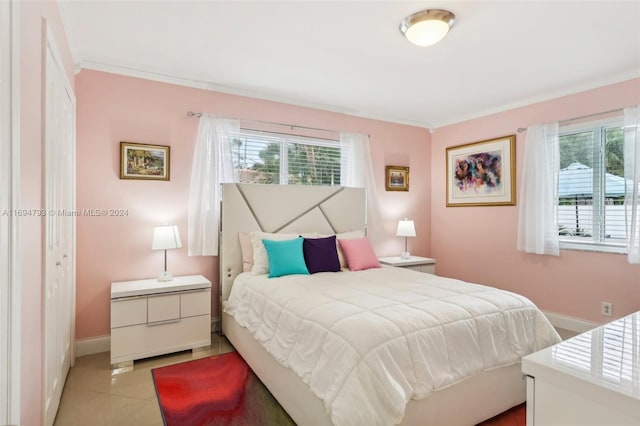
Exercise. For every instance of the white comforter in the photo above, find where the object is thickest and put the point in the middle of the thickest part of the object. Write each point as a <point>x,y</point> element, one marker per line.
<point>366,342</point>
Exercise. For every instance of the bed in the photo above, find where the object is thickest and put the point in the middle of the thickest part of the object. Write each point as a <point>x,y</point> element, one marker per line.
<point>377,346</point>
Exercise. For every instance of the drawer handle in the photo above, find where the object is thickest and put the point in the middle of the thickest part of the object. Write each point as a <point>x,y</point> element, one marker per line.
<point>151,324</point>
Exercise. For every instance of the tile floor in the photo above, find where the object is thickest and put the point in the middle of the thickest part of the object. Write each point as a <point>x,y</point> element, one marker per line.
<point>96,395</point>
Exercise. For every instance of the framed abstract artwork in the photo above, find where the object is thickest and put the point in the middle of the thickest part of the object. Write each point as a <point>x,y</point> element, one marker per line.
<point>482,173</point>
<point>396,178</point>
<point>143,161</point>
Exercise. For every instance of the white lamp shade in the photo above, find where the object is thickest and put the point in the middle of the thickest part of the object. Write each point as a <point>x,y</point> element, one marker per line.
<point>166,237</point>
<point>406,229</point>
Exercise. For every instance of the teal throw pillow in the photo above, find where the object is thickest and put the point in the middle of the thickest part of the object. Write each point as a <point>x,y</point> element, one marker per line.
<point>285,257</point>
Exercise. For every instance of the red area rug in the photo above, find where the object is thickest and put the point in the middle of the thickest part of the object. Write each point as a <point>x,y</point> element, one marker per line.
<point>223,391</point>
<point>517,416</point>
<point>219,390</point>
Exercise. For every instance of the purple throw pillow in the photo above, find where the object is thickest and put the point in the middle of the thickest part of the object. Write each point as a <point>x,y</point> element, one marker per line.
<point>321,255</point>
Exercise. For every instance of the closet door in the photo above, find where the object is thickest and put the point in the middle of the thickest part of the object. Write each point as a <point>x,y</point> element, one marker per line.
<point>59,228</point>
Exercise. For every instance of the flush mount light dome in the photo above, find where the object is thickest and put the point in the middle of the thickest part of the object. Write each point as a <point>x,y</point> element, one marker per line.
<point>427,27</point>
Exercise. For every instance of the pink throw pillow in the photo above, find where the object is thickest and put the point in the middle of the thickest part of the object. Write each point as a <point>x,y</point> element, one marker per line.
<point>359,254</point>
<point>346,236</point>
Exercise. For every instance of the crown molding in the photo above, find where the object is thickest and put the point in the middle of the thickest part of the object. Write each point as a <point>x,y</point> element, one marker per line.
<point>431,127</point>
<point>205,85</point>
<point>570,90</point>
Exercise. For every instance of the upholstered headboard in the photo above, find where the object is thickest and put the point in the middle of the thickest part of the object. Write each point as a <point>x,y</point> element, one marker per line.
<point>283,209</point>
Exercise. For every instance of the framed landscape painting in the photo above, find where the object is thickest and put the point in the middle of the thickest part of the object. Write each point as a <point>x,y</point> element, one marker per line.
<point>142,161</point>
<point>396,178</point>
<point>482,173</point>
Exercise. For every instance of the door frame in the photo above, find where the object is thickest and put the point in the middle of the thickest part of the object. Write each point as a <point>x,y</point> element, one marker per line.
<point>10,308</point>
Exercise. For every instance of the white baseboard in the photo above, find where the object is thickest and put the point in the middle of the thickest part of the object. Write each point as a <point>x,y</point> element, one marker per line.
<point>94,345</point>
<point>576,325</point>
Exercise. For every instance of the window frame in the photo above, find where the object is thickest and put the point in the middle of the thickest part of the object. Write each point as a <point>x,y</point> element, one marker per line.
<point>598,127</point>
<point>285,139</point>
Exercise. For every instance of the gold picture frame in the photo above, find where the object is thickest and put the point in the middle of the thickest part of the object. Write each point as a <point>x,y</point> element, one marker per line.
<point>144,161</point>
<point>482,173</point>
<point>396,178</point>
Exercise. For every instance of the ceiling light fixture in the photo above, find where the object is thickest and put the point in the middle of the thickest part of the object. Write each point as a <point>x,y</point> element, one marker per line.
<point>427,27</point>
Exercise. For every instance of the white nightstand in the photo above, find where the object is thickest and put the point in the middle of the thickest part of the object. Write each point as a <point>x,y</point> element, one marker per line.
<point>151,318</point>
<point>416,263</point>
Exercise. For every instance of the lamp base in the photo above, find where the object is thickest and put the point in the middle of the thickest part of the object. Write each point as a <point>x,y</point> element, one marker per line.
<point>405,255</point>
<point>165,276</point>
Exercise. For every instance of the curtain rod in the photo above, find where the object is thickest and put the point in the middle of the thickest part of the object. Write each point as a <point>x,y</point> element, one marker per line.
<point>524,129</point>
<point>291,126</point>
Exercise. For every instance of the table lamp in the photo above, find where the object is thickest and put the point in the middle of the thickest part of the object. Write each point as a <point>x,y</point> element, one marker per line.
<point>405,229</point>
<point>166,238</point>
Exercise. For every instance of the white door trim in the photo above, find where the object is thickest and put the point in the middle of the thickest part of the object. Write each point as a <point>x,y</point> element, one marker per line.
<point>9,201</point>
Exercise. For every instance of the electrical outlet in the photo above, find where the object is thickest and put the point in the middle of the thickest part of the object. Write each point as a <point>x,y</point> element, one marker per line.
<point>606,309</point>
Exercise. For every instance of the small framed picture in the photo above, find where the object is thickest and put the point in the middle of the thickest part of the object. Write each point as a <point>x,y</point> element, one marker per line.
<point>143,161</point>
<point>482,173</point>
<point>396,178</point>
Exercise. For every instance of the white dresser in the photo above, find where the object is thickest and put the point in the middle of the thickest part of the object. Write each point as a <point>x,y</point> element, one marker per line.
<point>151,318</point>
<point>590,379</point>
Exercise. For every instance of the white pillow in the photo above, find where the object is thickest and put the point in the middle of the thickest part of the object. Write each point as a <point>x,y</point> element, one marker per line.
<point>346,236</point>
<point>260,258</point>
<point>247,251</point>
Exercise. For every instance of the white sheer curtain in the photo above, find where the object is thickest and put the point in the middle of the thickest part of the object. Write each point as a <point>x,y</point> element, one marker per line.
<point>212,166</point>
<point>537,221</point>
<point>356,171</point>
<point>632,177</point>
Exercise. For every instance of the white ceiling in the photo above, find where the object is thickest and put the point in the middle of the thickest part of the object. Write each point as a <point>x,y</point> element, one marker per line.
<point>350,57</point>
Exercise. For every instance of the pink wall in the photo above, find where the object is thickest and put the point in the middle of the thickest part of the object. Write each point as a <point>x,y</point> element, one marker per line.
<point>31,36</point>
<point>479,243</point>
<point>113,108</point>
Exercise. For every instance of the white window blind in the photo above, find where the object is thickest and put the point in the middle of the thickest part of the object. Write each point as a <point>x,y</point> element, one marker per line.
<point>591,185</point>
<point>273,158</point>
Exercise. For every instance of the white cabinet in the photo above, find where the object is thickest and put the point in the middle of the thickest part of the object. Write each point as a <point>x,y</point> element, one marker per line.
<point>590,379</point>
<point>416,263</point>
<point>151,318</point>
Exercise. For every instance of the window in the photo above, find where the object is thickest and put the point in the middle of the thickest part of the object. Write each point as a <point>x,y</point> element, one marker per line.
<point>591,186</point>
<point>262,157</point>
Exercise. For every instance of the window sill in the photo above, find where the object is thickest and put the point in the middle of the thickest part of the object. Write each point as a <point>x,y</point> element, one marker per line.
<point>600,248</point>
